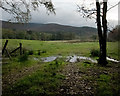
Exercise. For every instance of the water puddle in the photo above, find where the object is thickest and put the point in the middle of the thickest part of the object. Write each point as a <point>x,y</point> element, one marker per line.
<point>36,59</point>
<point>73,59</point>
<point>113,60</point>
<point>49,59</point>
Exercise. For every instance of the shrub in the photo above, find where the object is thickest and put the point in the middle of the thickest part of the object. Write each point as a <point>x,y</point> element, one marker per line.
<point>23,58</point>
<point>104,86</point>
<point>30,52</point>
<point>94,53</point>
<point>39,52</point>
<point>43,51</point>
<point>24,50</point>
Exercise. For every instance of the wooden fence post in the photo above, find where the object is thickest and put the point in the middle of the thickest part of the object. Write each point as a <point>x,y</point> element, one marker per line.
<point>8,54</point>
<point>3,50</point>
<point>20,48</point>
<point>14,50</point>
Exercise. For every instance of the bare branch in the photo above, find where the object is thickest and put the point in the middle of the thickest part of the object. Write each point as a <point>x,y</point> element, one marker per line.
<point>21,9</point>
<point>88,13</point>
<point>113,6</point>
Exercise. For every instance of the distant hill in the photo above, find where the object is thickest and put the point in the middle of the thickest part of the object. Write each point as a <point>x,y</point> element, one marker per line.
<point>51,28</point>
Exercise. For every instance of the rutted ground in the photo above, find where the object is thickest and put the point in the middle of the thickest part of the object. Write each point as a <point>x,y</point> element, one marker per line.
<point>81,78</point>
<point>74,82</point>
<point>84,81</point>
<point>13,77</point>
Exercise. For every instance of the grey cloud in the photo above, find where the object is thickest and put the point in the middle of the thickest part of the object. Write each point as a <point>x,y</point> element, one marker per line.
<point>66,14</point>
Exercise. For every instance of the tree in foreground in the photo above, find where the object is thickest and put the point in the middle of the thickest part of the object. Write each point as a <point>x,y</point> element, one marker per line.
<point>99,13</point>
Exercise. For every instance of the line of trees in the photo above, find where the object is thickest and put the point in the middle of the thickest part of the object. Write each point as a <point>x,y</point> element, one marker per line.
<point>30,35</point>
<point>114,34</point>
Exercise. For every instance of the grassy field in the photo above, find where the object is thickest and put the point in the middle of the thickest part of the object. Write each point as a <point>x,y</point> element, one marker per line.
<point>23,75</point>
<point>63,48</point>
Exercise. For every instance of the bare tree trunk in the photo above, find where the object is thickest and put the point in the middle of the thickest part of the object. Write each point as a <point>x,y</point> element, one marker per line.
<point>104,23</point>
<point>99,30</point>
<point>102,35</point>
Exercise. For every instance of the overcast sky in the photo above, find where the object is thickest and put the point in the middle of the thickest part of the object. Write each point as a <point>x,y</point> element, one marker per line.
<point>66,14</point>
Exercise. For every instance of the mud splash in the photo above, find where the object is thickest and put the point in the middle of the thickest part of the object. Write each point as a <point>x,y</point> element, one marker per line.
<point>113,60</point>
<point>49,59</point>
<point>73,59</point>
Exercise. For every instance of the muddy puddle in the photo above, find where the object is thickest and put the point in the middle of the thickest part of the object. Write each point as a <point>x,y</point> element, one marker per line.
<point>49,59</point>
<point>73,59</point>
<point>113,60</point>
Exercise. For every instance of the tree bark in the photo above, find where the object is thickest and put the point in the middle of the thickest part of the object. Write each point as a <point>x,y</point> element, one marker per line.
<point>102,34</point>
<point>104,23</point>
<point>4,47</point>
<point>99,30</point>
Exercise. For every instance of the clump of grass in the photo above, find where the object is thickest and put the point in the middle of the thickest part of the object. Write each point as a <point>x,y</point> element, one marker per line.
<point>104,86</point>
<point>94,53</point>
<point>30,52</point>
<point>24,50</point>
<point>43,82</point>
<point>88,64</point>
<point>39,52</point>
<point>43,51</point>
<point>23,58</point>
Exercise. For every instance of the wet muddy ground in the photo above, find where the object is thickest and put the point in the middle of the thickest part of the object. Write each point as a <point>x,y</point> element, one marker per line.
<point>79,80</point>
<point>84,81</point>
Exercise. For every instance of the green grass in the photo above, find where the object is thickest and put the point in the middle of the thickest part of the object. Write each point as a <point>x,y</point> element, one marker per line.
<point>44,81</point>
<point>62,48</point>
<point>49,48</point>
<point>15,65</point>
<point>105,84</point>
<point>113,49</point>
